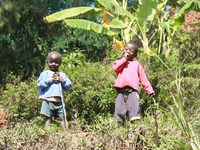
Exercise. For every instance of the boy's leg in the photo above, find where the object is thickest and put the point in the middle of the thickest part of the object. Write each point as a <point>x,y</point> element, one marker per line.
<point>45,110</point>
<point>48,122</point>
<point>120,108</point>
<point>62,122</point>
<point>61,113</point>
<point>133,106</point>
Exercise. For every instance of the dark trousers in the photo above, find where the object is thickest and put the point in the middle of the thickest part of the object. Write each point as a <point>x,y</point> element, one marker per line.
<point>127,103</point>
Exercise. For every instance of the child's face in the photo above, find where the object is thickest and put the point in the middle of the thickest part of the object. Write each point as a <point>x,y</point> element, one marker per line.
<point>129,51</point>
<point>54,62</point>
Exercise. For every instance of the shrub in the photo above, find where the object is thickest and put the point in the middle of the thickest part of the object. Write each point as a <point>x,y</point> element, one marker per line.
<point>20,99</point>
<point>92,92</point>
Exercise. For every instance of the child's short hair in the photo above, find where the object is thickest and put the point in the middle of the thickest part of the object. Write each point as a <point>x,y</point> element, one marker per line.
<point>54,52</point>
<point>51,53</point>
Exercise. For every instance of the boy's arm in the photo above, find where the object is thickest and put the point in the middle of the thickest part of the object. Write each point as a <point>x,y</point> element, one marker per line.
<point>66,83</point>
<point>119,65</point>
<point>43,81</point>
<point>144,81</point>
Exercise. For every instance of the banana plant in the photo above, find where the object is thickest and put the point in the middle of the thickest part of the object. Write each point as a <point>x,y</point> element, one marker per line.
<point>115,19</point>
<point>172,24</point>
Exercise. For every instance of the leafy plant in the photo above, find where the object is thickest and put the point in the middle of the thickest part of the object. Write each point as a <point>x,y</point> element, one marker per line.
<point>20,99</point>
<point>115,17</point>
<point>92,92</point>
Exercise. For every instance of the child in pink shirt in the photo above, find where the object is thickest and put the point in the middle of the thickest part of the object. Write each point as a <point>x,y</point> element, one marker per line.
<point>129,75</point>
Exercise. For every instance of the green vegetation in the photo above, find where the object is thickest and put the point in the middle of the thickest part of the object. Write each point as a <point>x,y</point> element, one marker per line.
<point>172,64</point>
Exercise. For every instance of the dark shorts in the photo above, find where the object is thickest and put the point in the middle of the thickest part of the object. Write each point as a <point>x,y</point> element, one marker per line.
<point>52,109</point>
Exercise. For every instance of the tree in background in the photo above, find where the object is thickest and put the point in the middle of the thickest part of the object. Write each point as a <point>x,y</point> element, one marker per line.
<point>23,42</point>
<point>25,39</point>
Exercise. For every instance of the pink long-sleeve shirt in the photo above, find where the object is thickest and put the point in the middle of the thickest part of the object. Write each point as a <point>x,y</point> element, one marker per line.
<point>131,73</point>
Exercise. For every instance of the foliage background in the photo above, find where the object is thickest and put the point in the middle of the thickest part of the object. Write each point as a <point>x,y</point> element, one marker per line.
<point>87,60</point>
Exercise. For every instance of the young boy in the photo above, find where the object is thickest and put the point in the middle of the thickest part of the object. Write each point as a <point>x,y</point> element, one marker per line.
<point>51,84</point>
<point>129,75</point>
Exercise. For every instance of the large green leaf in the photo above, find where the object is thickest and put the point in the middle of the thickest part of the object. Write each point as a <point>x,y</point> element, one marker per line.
<point>89,25</point>
<point>115,23</point>
<point>114,8</point>
<point>70,13</point>
<point>145,13</point>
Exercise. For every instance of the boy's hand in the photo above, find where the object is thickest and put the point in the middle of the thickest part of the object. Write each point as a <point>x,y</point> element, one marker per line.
<point>128,56</point>
<point>56,77</point>
<point>152,95</point>
<point>125,55</point>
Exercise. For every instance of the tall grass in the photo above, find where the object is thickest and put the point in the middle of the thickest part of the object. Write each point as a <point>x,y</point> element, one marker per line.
<point>177,114</point>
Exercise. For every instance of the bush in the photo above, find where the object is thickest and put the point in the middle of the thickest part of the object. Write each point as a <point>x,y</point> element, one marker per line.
<point>20,99</point>
<point>92,92</point>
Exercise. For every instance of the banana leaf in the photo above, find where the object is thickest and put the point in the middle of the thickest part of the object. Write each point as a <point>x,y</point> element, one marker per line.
<point>72,12</point>
<point>145,13</point>
<point>113,7</point>
<point>89,25</point>
<point>115,23</point>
